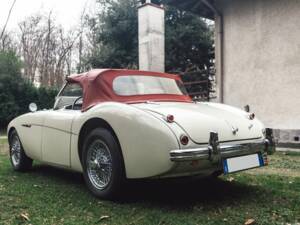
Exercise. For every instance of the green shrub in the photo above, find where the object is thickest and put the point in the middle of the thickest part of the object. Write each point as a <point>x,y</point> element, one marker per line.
<point>46,97</point>
<point>16,93</point>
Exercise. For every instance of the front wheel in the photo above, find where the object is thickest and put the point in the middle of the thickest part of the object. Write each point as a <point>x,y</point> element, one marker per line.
<point>18,158</point>
<point>103,164</point>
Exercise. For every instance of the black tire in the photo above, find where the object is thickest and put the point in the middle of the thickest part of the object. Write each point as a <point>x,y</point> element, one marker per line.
<point>117,175</point>
<point>18,158</point>
<point>216,174</point>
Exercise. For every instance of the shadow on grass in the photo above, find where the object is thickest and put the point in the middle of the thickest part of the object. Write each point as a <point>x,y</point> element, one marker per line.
<point>62,176</point>
<point>185,193</point>
<point>170,193</point>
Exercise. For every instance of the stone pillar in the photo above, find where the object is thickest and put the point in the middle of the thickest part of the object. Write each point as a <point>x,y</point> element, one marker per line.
<point>151,37</point>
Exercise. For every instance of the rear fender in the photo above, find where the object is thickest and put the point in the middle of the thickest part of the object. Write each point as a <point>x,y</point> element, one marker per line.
<point>144,139</point>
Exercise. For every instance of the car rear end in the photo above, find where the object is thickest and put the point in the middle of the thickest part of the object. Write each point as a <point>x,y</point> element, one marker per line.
<point>213,138</point>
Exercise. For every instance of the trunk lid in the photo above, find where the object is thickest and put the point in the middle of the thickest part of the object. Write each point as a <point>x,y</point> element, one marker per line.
<point>199,119</point>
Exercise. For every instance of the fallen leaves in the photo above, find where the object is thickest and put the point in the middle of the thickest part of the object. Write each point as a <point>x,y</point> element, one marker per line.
<point>249,222</point>
<point>25,216</point>
<point>103,218</point>
<point>230,179</point>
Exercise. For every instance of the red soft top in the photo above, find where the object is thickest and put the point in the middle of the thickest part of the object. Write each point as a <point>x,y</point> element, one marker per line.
<point>97,87</point>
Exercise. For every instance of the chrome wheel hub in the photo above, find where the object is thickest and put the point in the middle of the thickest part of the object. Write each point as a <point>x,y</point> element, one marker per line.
<point>15,150</point>
<point>99,164</point>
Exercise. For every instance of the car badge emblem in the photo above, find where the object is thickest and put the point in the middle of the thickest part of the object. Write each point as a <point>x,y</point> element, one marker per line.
<point>250,126</point>
<point>235,130</point>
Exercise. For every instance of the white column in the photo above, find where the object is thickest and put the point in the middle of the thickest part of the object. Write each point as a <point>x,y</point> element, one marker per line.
<point>151,37</point>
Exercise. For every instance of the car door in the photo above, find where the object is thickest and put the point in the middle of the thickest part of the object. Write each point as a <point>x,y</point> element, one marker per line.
<point>30,132</point>
<point>57,127</point>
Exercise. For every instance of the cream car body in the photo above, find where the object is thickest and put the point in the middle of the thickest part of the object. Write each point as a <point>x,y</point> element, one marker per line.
<point>151,145</point>
<point>145,137</point>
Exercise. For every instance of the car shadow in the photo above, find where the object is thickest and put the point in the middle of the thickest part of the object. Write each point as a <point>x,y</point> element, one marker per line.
<point>62,176</point>
<point>185,193</point>
<point>171,193</point>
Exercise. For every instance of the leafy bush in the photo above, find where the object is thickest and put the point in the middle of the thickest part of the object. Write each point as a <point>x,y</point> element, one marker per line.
<point>16,93</point>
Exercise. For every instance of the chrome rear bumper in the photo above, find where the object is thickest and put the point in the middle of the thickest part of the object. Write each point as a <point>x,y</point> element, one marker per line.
<point>215,151</point>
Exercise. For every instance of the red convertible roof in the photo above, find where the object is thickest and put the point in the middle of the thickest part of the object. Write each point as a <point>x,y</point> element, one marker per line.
<point>98,87</point>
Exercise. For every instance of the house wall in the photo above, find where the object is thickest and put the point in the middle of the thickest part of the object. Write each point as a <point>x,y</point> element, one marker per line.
<point>262,60</point>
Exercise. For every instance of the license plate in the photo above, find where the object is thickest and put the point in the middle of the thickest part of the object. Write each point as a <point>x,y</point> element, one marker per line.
<point>235,164</point>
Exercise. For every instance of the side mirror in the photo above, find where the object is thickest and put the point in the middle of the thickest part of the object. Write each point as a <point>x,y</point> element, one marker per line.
<point>33,107</point>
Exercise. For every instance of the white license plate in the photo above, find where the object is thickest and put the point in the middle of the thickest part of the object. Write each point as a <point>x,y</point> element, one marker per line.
<point>235,164</point>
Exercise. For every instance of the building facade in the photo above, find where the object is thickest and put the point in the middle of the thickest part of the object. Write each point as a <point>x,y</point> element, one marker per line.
<point>258,58</point>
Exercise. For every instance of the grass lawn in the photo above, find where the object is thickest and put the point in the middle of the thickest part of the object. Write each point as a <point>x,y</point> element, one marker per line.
<point>3,141</point>
<point>51,196</point>
<point>2,132</point>
<point>3,147</point>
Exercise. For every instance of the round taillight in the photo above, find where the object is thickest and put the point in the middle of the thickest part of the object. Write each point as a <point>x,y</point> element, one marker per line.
<point>184,139</point>
<point>251,116</point>
<point>170,118</point>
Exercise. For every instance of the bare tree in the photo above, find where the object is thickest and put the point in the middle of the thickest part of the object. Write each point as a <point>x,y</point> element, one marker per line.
<point>88,45</point>
<point>7,19</point>
<point>31,43</point>
<point>81,41</point>
<point>6,40</point>
<point>46,50</point>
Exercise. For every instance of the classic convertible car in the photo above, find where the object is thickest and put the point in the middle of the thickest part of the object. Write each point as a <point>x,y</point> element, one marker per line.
<point>113,125</point>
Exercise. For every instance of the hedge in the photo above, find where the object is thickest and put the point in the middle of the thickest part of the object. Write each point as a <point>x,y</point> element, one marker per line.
<point>16,93</point>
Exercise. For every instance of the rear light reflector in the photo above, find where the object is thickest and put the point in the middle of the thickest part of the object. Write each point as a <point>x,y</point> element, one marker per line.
<point>184,140</point>
<point>170,118</point>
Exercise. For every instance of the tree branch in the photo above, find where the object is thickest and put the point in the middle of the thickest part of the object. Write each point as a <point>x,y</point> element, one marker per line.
<point>7,19</point>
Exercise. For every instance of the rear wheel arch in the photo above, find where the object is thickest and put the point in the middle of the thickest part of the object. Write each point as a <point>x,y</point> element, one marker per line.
<point>90,125</point>
<point>10,132</point>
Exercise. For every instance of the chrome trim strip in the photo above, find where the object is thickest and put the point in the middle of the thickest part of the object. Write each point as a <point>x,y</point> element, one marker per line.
<point>26,125</point>
<point>49,127</point>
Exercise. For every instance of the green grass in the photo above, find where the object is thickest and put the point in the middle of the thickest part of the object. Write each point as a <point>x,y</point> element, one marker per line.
<point>3,146</point>
<point>3,141</point>
<point>2,132</point>
<point>53,196</point>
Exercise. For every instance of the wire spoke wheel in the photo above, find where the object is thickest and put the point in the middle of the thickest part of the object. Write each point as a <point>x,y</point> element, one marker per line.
<point>15,150</point>
<point>18,158</point>
<point>102,163</point>
<point>99,164</point>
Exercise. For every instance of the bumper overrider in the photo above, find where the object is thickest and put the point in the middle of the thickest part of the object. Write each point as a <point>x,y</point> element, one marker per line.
<point>215,151</point>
